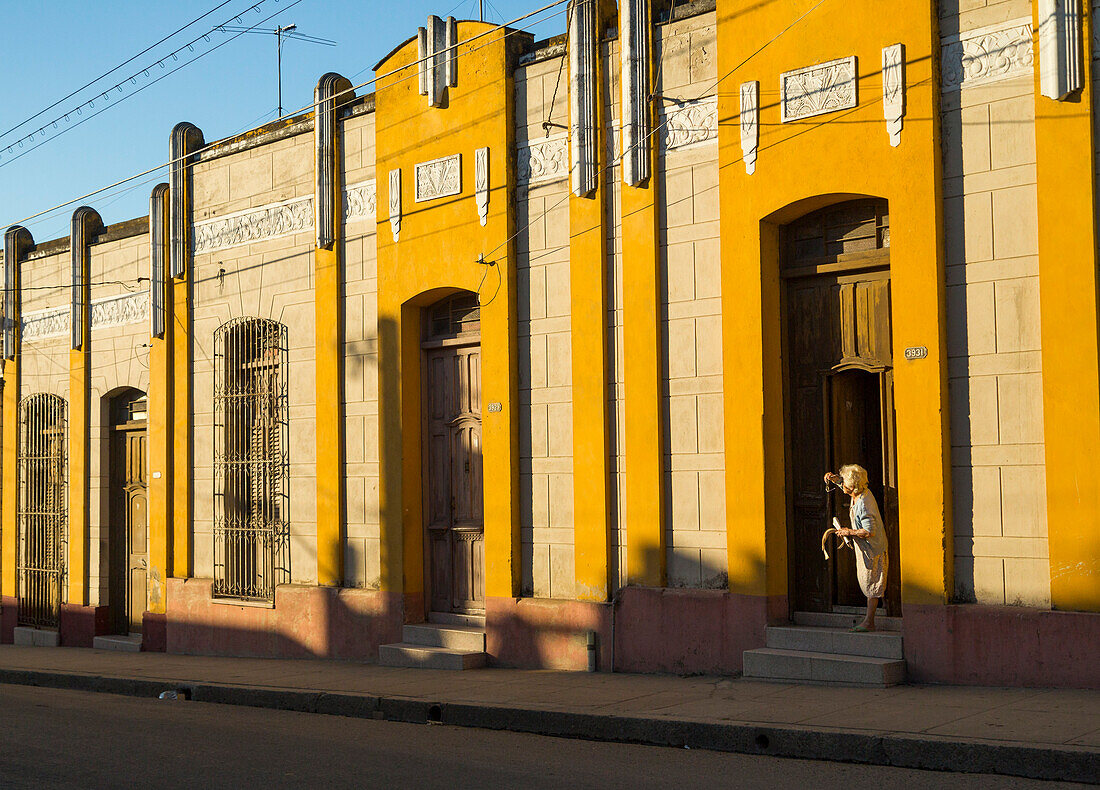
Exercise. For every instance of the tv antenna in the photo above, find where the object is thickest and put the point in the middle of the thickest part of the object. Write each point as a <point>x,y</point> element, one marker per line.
<point>280,32</point>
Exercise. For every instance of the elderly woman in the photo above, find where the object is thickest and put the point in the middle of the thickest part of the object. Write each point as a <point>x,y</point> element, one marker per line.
<point>869,535</point>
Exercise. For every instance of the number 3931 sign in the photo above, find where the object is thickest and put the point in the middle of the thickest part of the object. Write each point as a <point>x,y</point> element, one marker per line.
<point>916,352</point>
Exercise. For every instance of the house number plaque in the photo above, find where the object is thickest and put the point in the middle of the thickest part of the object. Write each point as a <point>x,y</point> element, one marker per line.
<point>916,352</point>
<point>495,407</point>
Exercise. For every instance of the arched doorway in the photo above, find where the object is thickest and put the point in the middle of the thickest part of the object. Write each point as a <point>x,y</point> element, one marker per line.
<point>835,267</point>
<point>128,500</point>
<point>453,515</point>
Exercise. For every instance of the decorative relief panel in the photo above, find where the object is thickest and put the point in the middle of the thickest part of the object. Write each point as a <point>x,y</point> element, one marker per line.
<point>360,201</point>
<point>750,124</point>
<point>481,183</point>
<point>690,123</point>
<point>45,323</point>
<point>816,90</point>
<point>245,227</point>
<point>395,202</point>
<point>130,308</point>
<point>543,161</point>
<point>893,90</point>
<point>120,310</point>
<point>988,54</point>
<point>439,178</point>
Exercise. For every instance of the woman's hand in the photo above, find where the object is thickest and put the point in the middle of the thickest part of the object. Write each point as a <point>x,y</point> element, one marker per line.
<point>832,477</point>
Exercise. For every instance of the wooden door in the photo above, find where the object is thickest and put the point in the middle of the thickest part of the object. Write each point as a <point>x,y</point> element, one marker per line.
<point>840,411</point>
<point>453,480</point>
<point>129,528</point>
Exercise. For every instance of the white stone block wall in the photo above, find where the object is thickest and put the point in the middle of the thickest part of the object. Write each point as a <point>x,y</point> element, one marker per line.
<point>362,550</point>
<point>994,359</point>
<point>545,354</point>
<point>267,278</point>
<point>695,522</point>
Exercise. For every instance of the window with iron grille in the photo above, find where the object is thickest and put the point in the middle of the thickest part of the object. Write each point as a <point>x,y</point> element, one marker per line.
<point>43,509</point>
<point>251,462</point>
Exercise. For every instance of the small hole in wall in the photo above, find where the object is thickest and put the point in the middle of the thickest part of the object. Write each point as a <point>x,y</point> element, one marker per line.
<point>435,714</point>
<point>762,741</point>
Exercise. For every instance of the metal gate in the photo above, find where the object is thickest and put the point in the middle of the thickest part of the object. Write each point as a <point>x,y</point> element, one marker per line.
<point>43,510</point>
<point>251,462</point>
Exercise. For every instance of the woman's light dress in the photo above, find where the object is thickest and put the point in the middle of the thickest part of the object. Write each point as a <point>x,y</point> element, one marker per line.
<point>871,552</point>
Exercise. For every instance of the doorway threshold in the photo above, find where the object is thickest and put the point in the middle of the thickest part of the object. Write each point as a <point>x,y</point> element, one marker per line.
<point>836,619</point>
<point>451,618</point>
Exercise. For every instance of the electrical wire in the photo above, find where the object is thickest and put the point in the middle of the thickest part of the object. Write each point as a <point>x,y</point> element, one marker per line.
<point>146,85</point>
<point>371,81</point>
<point>112,71</point>
<point>105,95</point>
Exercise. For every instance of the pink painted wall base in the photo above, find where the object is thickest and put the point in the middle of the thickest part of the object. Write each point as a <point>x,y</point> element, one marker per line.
<point>1001,646</point>
<point>80,625</point>
<point>307,622</point>
<point>9,612</point>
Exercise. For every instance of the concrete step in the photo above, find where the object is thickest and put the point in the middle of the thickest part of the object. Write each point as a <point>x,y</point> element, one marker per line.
<point>118,642</point>
<point>878,644</point>
<point>403,654</point>
<point>451,618</point>
<point>809,667</point>
<point>455,637</point>
<point>36,637</point>
<point>843,620</point>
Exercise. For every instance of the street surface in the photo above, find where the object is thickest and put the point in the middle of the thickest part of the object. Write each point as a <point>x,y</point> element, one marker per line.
<point>75,739</point>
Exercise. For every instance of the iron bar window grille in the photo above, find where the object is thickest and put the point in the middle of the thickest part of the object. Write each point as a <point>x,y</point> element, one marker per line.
<point>43,510</point>
<point>251,460</point>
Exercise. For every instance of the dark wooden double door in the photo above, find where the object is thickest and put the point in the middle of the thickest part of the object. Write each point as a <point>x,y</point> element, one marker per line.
<point>453,480</point>
<point>840,411</point>
<point>129,526</point>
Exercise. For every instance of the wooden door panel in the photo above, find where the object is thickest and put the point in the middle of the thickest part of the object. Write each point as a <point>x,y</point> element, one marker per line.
<point>454,480</point>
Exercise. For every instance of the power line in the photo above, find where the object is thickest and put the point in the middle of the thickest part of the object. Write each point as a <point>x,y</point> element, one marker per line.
<point>143,87</point>
<point>112,71</point>
<point>119,86</point>
<point>371,81</point>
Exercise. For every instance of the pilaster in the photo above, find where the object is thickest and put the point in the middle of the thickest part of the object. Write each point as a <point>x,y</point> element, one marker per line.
<point>160,403</point>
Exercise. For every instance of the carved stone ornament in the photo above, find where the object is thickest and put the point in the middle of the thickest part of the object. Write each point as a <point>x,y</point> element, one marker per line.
<point>120,310</point>
<point>45,323</point>
<point>259,224</point>
<point>481,183</point>
<point>438,178</point>
<point>438,61</point>
<point>635,28</point>
<point>816,90</point>
<point>690,123</point>
<point>987,54</point>
<point>583,127</point>
<point>750,124</point>
<point>1059,48</point>
<point>893,90</point>
<point>395,202</point>
<point>543,161</point>
<point>360,201</point>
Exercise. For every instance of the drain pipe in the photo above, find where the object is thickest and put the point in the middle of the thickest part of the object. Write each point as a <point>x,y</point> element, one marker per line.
<point>591,651</point>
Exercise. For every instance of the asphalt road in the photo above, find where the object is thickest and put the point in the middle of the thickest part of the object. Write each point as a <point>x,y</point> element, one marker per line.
<point>69,739</point>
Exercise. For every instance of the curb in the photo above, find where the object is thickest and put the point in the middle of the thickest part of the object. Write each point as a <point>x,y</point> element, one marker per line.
<point>927,752</point>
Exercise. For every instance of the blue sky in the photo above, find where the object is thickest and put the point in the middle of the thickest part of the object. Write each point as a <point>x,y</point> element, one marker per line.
<point>56,46</point>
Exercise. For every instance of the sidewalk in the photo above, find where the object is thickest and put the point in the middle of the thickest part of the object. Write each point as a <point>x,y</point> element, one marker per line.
<point>1043,734</point>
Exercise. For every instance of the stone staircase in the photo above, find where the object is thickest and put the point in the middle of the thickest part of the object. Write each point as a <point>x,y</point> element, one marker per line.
<point>818,648</point>
<point>436,646</point>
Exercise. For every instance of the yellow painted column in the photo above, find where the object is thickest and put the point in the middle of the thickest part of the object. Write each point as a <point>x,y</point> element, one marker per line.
<point>646,555</point>
<point>1069,313</point>
<point>160,417</point>
<point>330,434</point>
<point>85,222</point>
<point>9,546</point>
<point>182,453</point>
<point>500,428</point>
<point>591,427</point>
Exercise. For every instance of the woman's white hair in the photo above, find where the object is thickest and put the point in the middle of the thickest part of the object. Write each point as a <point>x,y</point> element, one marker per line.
<point>854,477</point>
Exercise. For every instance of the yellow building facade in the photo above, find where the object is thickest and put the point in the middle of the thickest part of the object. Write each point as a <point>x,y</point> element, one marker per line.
<point>552,342</point>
